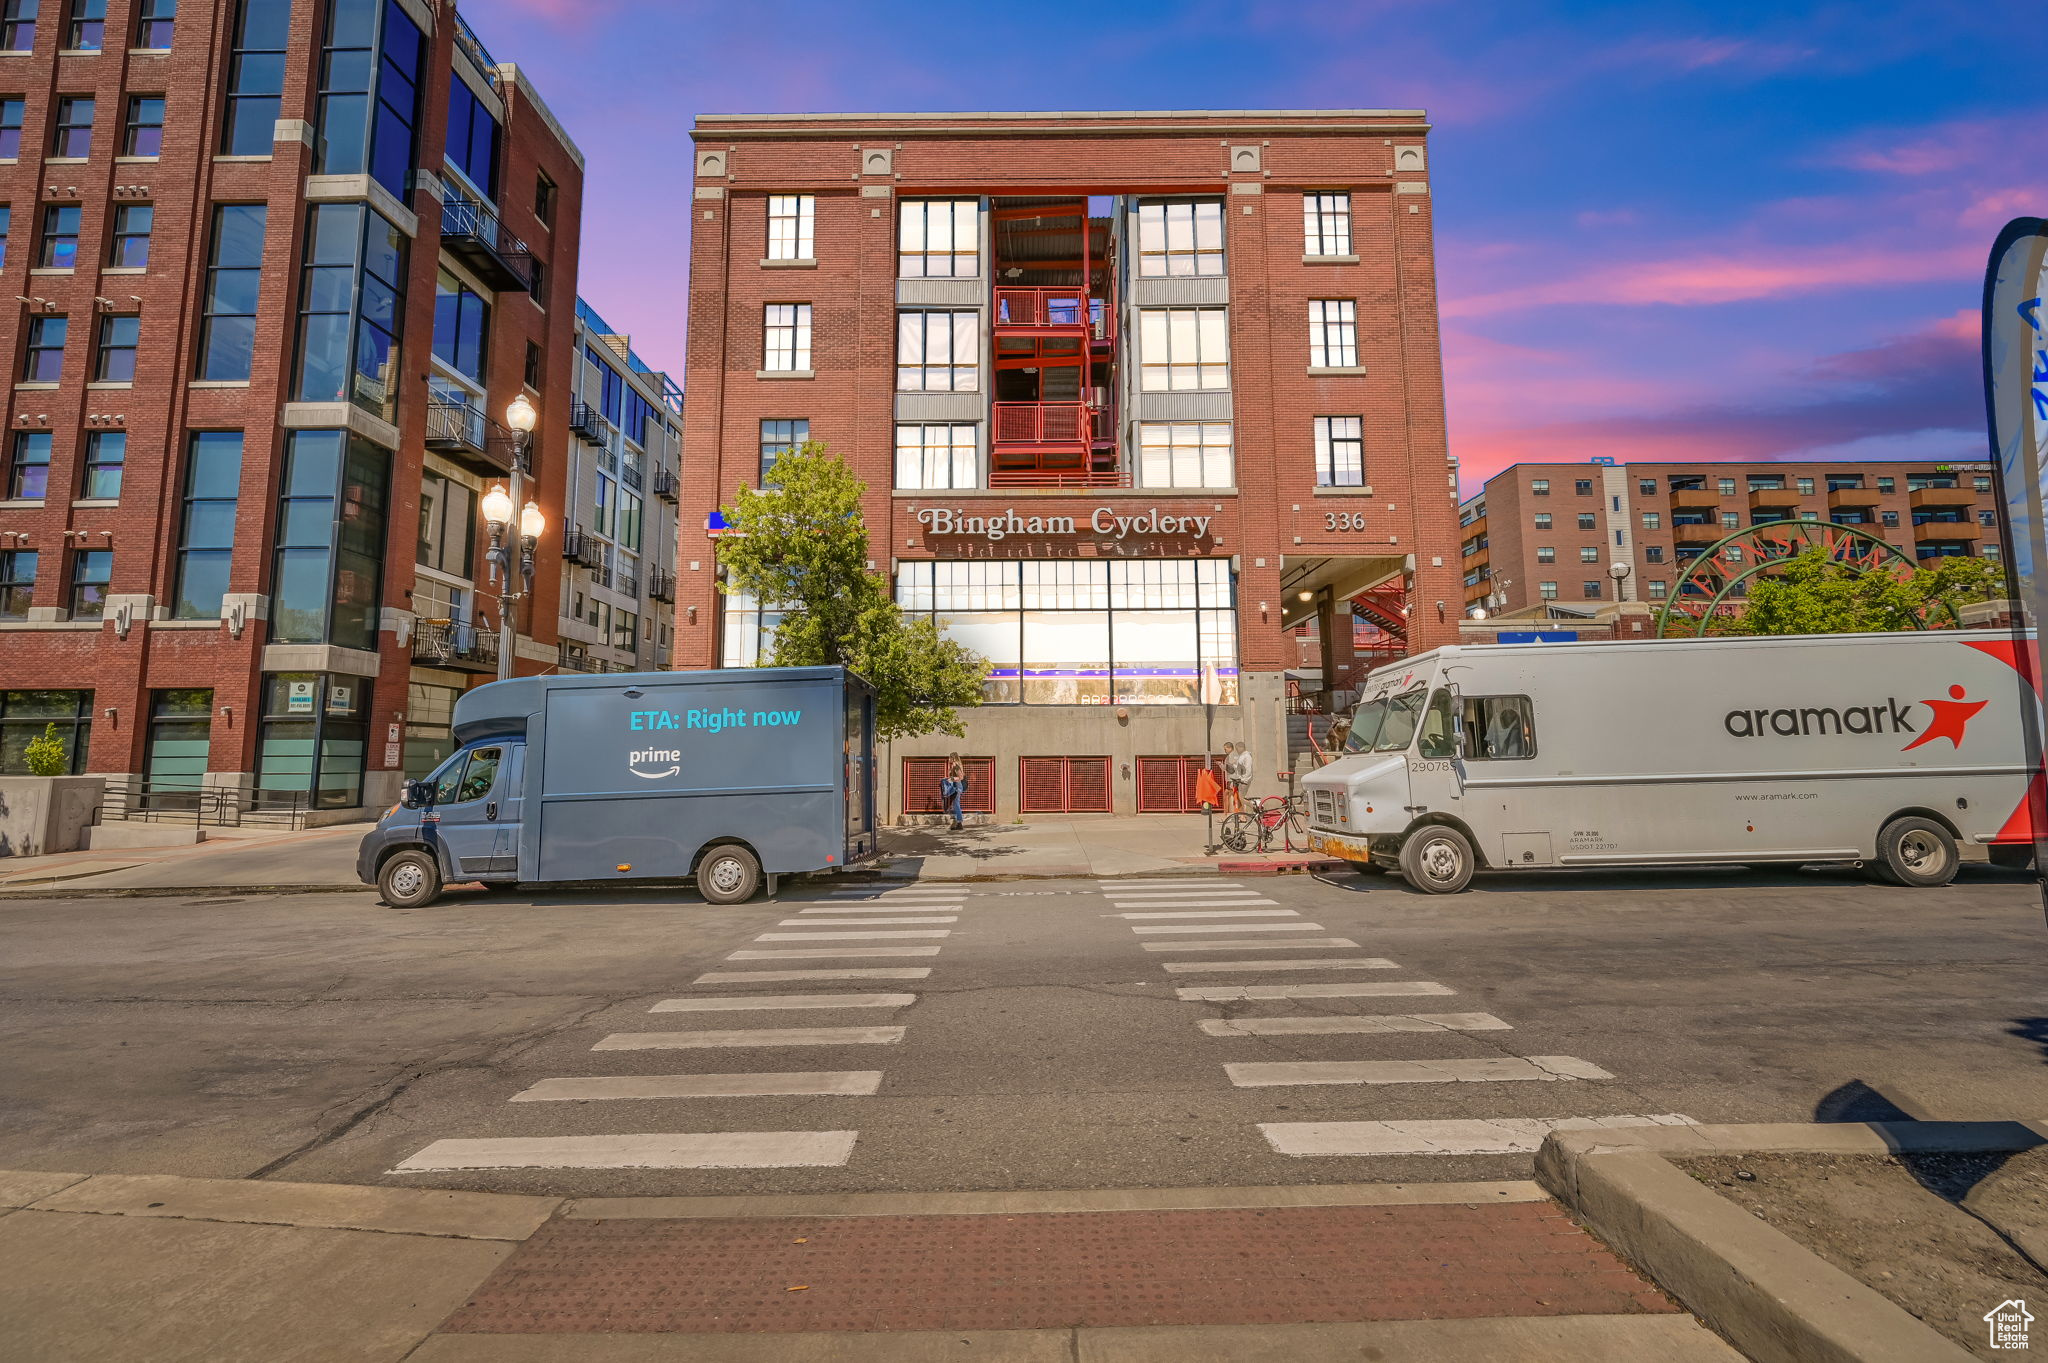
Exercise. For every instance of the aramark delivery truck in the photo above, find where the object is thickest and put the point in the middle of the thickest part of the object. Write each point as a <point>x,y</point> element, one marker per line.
<point>726,776</point>
<point>1904,751</point>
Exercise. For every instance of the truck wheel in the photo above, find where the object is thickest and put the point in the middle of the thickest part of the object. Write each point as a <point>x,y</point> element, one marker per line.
<point>728,875</point>
<point>1437,860</point>
<point>1916,852</point>
<point>410,880</point>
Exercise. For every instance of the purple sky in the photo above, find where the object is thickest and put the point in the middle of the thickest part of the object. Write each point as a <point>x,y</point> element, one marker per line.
<point>1672,231</point>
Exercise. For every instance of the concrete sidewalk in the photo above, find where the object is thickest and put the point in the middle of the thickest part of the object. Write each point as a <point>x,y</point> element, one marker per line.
<point>314,857</point>
<point>118,1268</point>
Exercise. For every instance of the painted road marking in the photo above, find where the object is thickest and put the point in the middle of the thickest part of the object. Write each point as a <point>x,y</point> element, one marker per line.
<point>850,1083</point>
<point>1357,963</point>
<point>1235,993</point>
<point>1181,894</point>
<point>744,1002</point>
<point>1240,945</point>
<point>882,908</point>
<point>1485,1070</point>
<point>758,1036</point>
<point>800,953</point>
<point>1379,1022</point>
<point>1212,913</point>
<point>857,922</point>
<point>905,892</point>
<point>1185,908</point>
<point>1498,1136</point>
<point>671,1150</point>
<point>851,936</point>
<point>1233,927</point>
<point>909,972</point>
<point>1188,882</point>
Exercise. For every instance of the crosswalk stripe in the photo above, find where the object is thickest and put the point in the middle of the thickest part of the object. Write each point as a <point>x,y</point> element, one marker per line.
<point>852,936</point>
<point>882,908</point>
<point>1238,993</point>
<point>1358,963</point>
<point>665,1150</point>
<point>1178,894</point>
<point>1189,882</point>
<point>1371,1023</point>
<point>1188,908</point>
<point>908,972</point>
<point>1483,1070</point>
<point>1239,944</point>
<point>756,1036</point>
<point>906,892</point>
<point>835,1083</point>
<point>801,953</point>
<point>857,922</point>
<point>739,1003</point>
<point>1479,1136</point>
<point>1212,913</point>
<point>1229,927</point>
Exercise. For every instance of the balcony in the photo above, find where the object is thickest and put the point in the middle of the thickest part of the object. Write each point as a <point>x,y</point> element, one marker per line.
<point>1851,498</point>
<point>1947,532</point>
<point>661,586</point>
<point>667,485</point>
<point>1695,499</point>
<point>1928,498</point>
<point>473,233</point>
<point>1043,425</point>
<point>1059,477</point>
<point>1780,499</point>
<point>587,424</point>
<point>1062,310</point>
<point>579,548</point>
<point>628,584</point>
<point>1700,533</point>
<point>576,658</point>
<point>450,643</point>
<point>631,476</point>
<point>456,429</point>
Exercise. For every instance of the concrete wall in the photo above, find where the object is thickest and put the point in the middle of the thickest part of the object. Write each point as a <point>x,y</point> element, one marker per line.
<point>44,814</point>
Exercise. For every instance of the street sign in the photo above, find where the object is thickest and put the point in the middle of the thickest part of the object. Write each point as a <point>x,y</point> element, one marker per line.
<point>1537,636</point>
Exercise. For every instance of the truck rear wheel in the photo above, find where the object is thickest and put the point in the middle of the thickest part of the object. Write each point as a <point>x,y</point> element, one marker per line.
<point>409,880</point>
<point>1916,852</point>
<point>1437,860</point>
<point>728,875</point>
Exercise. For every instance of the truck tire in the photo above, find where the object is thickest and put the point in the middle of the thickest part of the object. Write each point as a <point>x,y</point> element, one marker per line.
<point>409,880</point>
<point>1916,852</point>
<point>728,875</point>
<point>1437,859</point>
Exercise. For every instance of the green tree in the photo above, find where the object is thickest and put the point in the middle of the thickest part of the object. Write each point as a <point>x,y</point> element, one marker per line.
<point>800,543</point>
<point>1810,593</point>
<point>45,755</point>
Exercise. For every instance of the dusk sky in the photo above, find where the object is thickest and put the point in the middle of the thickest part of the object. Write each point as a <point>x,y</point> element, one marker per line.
<point>1664,231</point>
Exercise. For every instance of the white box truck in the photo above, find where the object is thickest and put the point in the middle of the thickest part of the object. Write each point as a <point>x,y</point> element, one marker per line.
<point>1906,752</point>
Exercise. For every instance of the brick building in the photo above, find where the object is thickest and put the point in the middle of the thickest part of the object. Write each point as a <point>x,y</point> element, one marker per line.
<point>1550,536</point>
<point>1134,394</point>
<point>285,262</point>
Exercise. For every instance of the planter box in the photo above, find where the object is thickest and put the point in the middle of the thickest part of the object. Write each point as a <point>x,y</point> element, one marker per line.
<point>44,814</point>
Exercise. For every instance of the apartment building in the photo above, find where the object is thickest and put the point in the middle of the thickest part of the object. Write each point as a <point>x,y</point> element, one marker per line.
<point>1576,535</point>
<point>280,267</point>
<point>1133,394</point>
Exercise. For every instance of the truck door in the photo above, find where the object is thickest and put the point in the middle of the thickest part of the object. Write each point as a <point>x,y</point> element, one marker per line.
<point>468,801</point>
<point>1434,782</point>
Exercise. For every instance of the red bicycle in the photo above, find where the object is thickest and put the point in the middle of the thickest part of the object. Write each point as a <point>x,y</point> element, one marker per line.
<point>1281,818</point>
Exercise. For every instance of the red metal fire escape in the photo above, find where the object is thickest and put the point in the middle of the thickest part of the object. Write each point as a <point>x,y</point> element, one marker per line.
<point>1053,421</point>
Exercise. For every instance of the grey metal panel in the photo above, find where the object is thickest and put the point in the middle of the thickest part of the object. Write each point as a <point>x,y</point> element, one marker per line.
<point>941,406</point>
<point>1184,406</point>
<point>1208,291</point>
<point>941,293</point>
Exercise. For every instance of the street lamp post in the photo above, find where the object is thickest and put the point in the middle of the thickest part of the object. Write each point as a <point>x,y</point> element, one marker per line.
<point>498,508</point>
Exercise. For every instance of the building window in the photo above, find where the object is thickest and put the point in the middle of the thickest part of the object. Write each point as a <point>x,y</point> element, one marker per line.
<point>1727,487</point>
<point>1332,333</point>
<point>1653,520</point>
<point>1657,587</point>
<point>25,715</point>
<point>370,93</point>
<point>71,134</point>
<point>938,239</point>
<point>1732,520</point>
<point>1340,451</point>
<point>1184,454</point>
<point>154,20</point>
<point>748,631</point>
<point>461,323</point>
<point>1087,632</point>
<point>1326,224</point>
<point>936,456</point>
<point>115,358</point>
<point>180,733</point>
<point>10,128</point>
<point>1981,483</point>
<point>87,31</point>
<point>313,738</point>
<point>938,352</point>
<point>18,25</point>
<point>447,539</point>
<point>1890,518</point>
<point>1646,487</point>
<point>45,355</point>
<point>105,454</point>
<point>1586,521</point>
<point>1732,554</point>
<point>1583,486</point>
<point>787,337</point>
<point>206,530</point>
<point>143,134</point>
<point>128,244</point>
<point>1183,349</point>
<point>790,226</point>
<point>17,583</point>
<point>1592,589</point>
<point>255,77</point>
<point>1886,484</point>
<point>6,222</point>
<point>628,533</point>
<point>472,139</point>
<point>91,570</point>
<point>531,374</point>
<point>1806,487</point>
<point>1180,240</point>
<point>1987,518</point>
<point>1589,553</point>
<point>1539,487</point>
<point>1653,553</point>
<point>60,237</point>
<point>330,540</point>
<point>351,300</point>
<point>1543,520</point>
<point>537,283</point>
<point>778,436</point>
<point>1546,553</point>
<point>234,276</point>
<point>28,472</point>
<point>543,199</point>
<point>1547,590</point>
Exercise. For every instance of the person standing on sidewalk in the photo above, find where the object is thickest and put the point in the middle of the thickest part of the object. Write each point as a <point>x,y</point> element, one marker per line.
<point>953,786</point>
<point>1237,770</point>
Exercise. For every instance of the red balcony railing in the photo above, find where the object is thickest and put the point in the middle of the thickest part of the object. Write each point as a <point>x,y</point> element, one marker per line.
<point>1068,477</point>
<point>1042,308</point>
<point>1042,423</point>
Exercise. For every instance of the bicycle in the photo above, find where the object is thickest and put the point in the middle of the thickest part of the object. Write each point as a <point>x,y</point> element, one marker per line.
<point>1281,816</point>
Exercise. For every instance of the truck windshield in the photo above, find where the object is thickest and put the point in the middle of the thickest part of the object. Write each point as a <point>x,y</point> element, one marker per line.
<point>1386,724</point>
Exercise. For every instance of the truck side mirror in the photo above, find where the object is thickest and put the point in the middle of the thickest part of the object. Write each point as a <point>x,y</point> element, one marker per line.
<point>418,795</point>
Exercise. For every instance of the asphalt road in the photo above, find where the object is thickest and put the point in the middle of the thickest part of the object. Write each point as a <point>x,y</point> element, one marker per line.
<point>327,1038</point>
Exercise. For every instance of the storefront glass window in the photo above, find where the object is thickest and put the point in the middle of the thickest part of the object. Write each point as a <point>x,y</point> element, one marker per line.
<point>313,739</point>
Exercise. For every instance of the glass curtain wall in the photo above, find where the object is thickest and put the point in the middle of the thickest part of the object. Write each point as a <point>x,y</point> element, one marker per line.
<point>370,93</point>
<point>330,540</point>
<point>313,737</point>
<point>351,302</point>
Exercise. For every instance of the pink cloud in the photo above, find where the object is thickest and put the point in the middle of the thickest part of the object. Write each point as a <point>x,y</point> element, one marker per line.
<point>1708,52</point>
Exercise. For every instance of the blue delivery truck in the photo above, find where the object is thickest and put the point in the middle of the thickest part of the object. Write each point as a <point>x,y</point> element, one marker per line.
<point>733,777</point>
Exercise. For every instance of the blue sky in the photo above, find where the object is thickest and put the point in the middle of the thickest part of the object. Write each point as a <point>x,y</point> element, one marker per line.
<point>1674,231</point>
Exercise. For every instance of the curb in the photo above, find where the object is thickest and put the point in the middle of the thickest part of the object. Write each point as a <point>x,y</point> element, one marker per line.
<point>1771,1297</point>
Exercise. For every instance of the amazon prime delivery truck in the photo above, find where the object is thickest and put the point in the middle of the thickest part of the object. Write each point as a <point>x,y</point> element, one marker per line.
<point>1904,752</point>
<point>731,776</point>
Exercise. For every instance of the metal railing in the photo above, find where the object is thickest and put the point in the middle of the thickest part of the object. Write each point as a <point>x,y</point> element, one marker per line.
<point>1061,307</point>
<point>588,424</point>
<point>180,802</point>
<point>667,485</point>
<point>630,475</point>
<point>1042,423</point>
<point>578,547</point>
<point>473,47</point>
<point>628,584</point>
<point>472,231</point>
<point>1059,478</point>
<point>661,586</point>
<point>444,642</point>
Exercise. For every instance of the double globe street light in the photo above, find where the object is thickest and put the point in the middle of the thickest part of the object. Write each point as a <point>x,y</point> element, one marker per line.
<point>498,505</point>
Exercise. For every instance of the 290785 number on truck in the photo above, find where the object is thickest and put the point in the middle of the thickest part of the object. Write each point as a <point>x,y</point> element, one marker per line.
<point>1906,752</point>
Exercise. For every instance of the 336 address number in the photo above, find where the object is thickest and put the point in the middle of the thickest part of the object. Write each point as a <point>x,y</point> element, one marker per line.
<point>1343,520</point>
